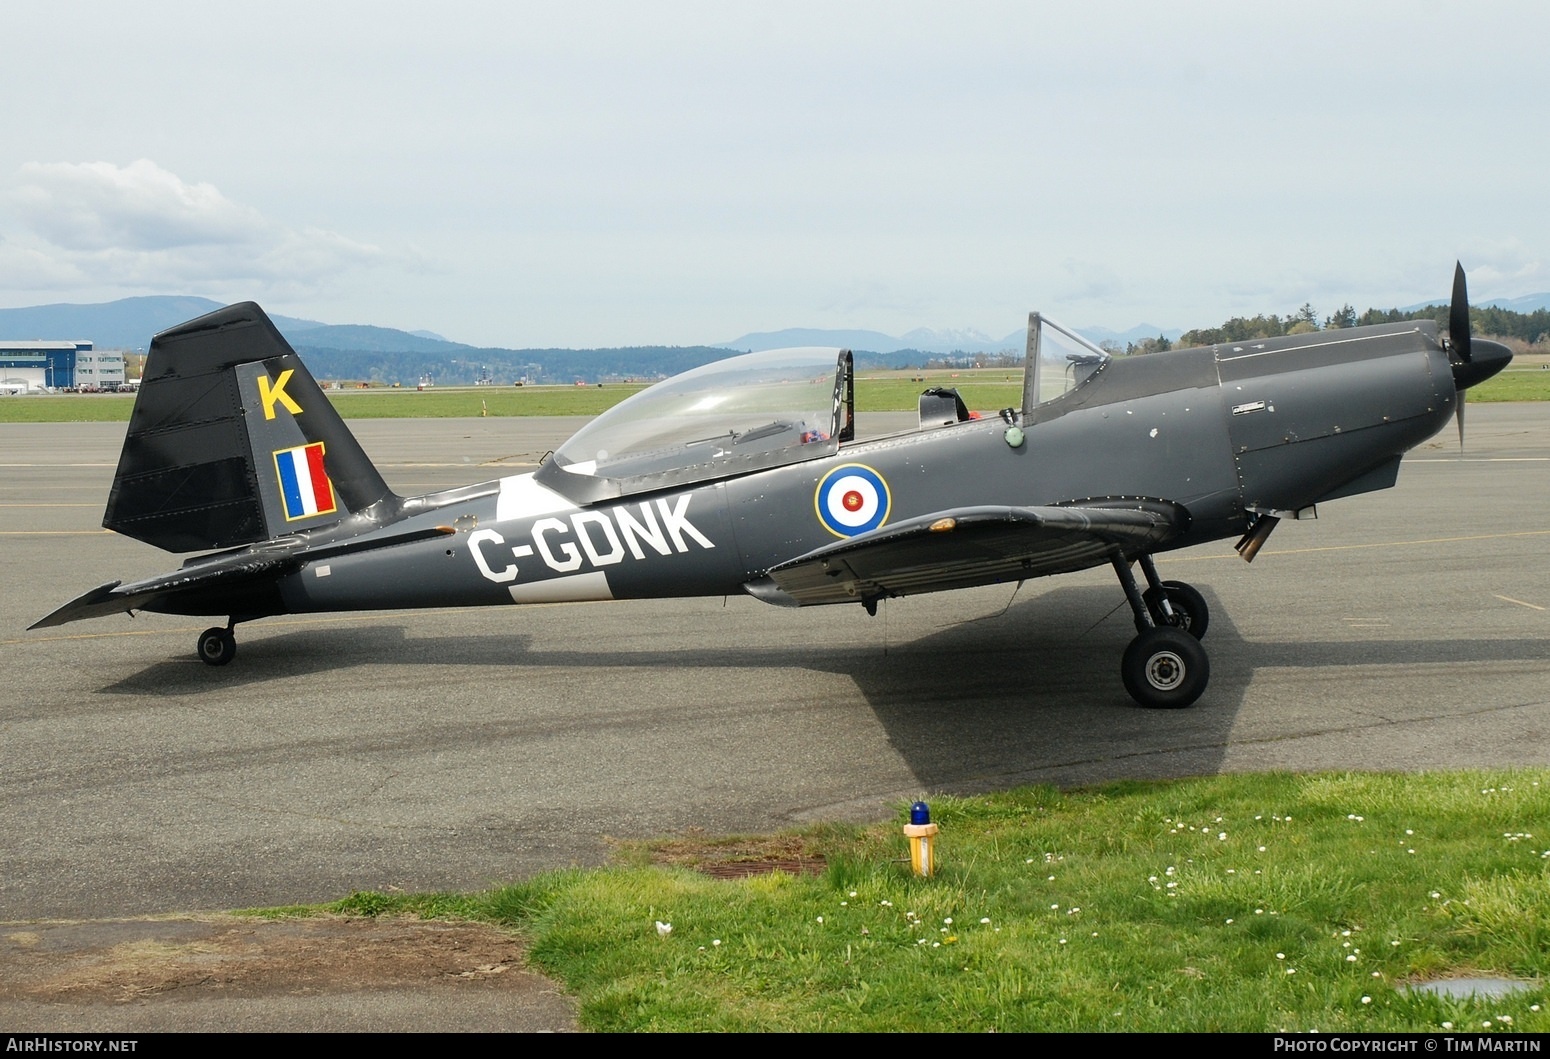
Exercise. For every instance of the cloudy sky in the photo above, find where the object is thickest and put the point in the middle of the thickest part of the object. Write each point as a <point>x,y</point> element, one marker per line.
<point>581,173</point>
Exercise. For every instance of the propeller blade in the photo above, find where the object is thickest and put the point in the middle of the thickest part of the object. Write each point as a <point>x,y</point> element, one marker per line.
<point>1473,362</point>
<point>1458,315</point>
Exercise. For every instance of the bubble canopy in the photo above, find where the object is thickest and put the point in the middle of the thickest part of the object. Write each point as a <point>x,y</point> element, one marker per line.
<point>730,417</point>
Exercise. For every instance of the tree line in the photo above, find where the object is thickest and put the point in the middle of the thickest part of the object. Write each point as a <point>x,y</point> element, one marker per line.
<point>1531,329</point>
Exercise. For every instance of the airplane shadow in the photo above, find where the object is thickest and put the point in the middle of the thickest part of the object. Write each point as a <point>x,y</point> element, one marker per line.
<point>1031,694</point>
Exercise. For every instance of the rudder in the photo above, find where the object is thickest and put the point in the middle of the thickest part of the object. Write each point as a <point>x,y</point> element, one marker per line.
<point>231,442</point>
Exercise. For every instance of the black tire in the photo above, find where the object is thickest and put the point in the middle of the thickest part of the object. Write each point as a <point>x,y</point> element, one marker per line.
<point>1165,669</point>
<point>217,647</point>
<point>1189,608</point>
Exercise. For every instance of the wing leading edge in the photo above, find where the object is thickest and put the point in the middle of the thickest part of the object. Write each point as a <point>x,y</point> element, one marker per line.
<point>971,546</point>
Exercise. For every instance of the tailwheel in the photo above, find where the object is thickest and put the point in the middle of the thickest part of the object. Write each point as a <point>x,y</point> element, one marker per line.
<point>217,646</point>
<point>1165,668</point>
<point>1190,612</point>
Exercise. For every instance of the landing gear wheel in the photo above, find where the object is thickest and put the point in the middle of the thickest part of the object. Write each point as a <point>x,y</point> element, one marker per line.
<point>217,647</point>
<point>1189,608</point>
<point>1165,669</point>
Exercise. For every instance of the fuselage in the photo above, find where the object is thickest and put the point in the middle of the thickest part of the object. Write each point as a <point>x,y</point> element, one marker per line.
<point>1230,433</point>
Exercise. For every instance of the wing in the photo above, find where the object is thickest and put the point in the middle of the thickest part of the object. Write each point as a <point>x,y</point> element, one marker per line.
<point>971,546</point>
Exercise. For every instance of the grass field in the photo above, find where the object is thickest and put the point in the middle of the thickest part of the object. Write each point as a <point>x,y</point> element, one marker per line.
<point>984,391</point>
<point>1238,903</point>
<point>1515,384</point>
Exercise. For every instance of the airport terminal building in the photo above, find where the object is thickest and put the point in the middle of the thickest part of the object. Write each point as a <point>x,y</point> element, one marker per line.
<point>38,367</point>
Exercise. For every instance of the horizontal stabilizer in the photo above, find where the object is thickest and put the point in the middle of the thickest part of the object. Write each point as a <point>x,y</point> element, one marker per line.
<point>243,582</point>
<point>245,587</point>
<point>971,546</point>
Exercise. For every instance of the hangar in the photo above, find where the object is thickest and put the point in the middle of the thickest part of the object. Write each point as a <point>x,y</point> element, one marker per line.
<point>32,367</point>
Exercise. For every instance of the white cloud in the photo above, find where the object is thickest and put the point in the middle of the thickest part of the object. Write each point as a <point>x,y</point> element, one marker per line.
<point>1506,266</point>
<point>99,206</point>
<point>140,227</point>
<point>31,268</point>
<point>864,298</point>
<point>1087,281</point>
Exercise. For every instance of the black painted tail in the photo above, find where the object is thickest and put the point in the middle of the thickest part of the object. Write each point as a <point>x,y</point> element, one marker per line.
<point>232,442</point>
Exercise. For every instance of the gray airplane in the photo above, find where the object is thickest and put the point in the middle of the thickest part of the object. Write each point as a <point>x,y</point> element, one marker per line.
<point>748,475</point>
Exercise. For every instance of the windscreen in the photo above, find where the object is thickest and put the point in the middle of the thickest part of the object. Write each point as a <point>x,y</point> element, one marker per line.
<point>1059,360</point>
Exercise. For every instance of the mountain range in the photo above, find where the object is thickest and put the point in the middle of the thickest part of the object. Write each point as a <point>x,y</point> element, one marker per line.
<point>926,340</point>
<point>362,351</point>
<point>129,323</point>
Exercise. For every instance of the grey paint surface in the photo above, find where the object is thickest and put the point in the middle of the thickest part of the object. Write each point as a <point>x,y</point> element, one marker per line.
<point>1136,431</point>
<point>452,749</point>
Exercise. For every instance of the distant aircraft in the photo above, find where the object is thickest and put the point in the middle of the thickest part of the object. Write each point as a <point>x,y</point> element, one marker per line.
<point>747,475</point>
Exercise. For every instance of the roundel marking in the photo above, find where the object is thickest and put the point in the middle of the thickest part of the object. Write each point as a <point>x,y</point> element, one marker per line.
<point>852,499</point>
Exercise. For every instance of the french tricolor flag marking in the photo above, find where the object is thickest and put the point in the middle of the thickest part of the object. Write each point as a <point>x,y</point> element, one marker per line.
<point>304,484</point>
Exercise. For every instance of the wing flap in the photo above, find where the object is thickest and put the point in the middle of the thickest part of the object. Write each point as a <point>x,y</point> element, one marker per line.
<point>971,546</point>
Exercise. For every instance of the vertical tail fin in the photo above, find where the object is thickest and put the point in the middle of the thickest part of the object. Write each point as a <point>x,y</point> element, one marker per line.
<point>232,442</point>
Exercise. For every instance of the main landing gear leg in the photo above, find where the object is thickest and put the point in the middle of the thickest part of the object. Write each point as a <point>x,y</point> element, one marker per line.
<point>1174,602</point>
<point>1164,667</point>
<point>218,646</point>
